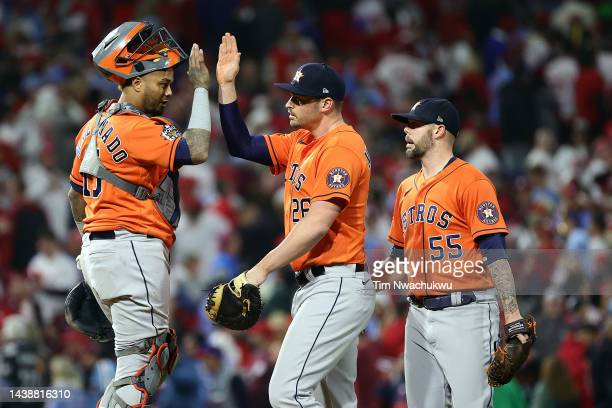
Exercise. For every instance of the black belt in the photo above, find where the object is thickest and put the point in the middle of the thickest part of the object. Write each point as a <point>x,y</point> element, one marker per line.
<point>106,235</point>
<point>442,302</point>
<point>302,276</point>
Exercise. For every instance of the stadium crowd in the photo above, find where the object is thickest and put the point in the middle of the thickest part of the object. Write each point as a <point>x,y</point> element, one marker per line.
<point>531,79</point>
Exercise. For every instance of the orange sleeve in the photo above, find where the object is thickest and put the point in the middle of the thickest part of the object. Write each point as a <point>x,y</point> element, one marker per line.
<point>150,142</point>
<point>338,172</point>
<point>396,232</point>
<point>483,214</point>
<point>279,147</point>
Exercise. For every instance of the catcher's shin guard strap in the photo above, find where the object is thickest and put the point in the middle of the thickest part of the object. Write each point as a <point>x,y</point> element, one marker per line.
<point>162,352</point>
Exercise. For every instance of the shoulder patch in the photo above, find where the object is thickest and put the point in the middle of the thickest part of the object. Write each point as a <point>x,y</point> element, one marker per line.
<point>169,132</point>
<point>338,178</point>
<point>487,213</point>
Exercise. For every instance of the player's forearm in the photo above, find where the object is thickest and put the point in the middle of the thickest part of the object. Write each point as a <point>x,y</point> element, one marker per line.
<point>240,143</point>
<point>506,290</point>
<point>197,134</point>
<point>198,141</point>
<point>227,92</point>
<point>77,207</point>
<point>302,238</point>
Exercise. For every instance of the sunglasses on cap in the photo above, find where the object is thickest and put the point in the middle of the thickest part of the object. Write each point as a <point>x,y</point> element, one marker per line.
<point>300,100</point>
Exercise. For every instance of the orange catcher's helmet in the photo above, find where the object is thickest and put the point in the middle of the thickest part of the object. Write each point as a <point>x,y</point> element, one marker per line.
<point>134,49</point>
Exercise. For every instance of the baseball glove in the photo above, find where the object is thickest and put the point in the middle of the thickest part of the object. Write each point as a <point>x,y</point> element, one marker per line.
<point>510,355</point>
<point>235,305</point>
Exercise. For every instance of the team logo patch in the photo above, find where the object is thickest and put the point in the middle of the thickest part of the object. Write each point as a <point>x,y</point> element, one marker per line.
<point>338,178</point>
<point>296,78</point>
<point>487,213</point>
<point>170,132</point>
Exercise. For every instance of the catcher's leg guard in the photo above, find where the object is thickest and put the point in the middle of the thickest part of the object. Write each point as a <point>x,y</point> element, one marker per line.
<point>137,391</point>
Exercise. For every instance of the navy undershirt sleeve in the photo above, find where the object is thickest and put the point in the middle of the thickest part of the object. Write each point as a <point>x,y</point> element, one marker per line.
<point>76,187</point>
<point>182,156</point>
<point>239,142</point>
<point>492,247</point>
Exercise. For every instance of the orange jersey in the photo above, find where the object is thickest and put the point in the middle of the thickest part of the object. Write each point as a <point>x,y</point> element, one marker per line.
<point>140,150</point>
<point>334,166</point>
<point>440,218</point>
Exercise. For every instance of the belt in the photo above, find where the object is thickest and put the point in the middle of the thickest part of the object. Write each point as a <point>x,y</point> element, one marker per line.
<point>307,275</point>
<point>444,301</point>
<point>106,235</point>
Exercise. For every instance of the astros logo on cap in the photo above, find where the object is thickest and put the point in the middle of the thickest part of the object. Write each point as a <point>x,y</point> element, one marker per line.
<point>298,75</point>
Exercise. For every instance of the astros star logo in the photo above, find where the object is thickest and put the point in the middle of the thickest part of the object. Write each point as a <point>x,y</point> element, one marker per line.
<point>337,178</point>
<point>298,75</point>
<point>487,213</point>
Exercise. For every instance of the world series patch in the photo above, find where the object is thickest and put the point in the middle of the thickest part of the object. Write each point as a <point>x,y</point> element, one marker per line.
<point>170,132</point>
<point>338,178</point>
<point>487,213</point>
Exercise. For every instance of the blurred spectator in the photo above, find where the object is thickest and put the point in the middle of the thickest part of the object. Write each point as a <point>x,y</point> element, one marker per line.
<point>602,367</point>
<point>187,386</point>
<point>551,327</point>
<point>22,362</point>
<point>510,395</point>
<point>573,352</point>
<point>55,273</point>
<point>555,389</point>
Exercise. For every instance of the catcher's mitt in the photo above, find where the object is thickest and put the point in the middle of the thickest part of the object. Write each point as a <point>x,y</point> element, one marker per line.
<point>510,355</point>
<point>235,305</point>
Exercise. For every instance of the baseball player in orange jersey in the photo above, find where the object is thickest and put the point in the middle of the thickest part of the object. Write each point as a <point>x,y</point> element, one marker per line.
<point>327,174</point>
<point>124,199</point>
<point>448,214</point>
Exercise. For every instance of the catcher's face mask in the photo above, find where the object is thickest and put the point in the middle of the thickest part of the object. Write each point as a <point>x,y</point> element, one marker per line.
<point>135,49</point>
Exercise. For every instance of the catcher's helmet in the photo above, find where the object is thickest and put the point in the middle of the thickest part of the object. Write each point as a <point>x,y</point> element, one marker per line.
<point>83,313</point>
<point>134,49</point>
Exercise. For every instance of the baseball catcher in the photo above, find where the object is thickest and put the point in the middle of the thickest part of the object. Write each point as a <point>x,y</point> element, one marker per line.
<point>235,305</point>
<point>510,355</point>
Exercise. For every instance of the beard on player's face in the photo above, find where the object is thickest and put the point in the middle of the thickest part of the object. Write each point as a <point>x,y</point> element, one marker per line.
<point>153,104</point>
<point>422,138</point>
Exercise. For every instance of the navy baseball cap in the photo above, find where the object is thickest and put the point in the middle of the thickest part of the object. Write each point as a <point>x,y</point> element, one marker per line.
<point>316,79</point>
<point>432,110</point>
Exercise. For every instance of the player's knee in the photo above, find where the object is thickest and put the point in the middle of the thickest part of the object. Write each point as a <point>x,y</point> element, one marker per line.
<point>281,396</point>
<point>137,389</point>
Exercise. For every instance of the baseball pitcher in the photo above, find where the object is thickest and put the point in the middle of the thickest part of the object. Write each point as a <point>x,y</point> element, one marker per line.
<point>327,174</point>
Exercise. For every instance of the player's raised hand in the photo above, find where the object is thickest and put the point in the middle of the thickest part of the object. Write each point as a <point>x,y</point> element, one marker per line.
<point>198,72</point>
<point>229,59</point>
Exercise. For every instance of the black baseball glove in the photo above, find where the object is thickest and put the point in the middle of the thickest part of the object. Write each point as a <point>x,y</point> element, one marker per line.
<point>235,305</point>
<point>510,355</point>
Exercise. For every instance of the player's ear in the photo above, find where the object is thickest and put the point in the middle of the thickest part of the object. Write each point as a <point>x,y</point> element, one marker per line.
<point>439,131</point>
<point>328,105</point>
<point>138,84</point>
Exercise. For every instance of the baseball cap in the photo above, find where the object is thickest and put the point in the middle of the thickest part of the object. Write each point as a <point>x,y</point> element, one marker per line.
<point>432,110</point>
<point>316,79</point>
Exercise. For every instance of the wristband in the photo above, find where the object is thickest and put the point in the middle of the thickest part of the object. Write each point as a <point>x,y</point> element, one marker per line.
<point>200,110</point>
